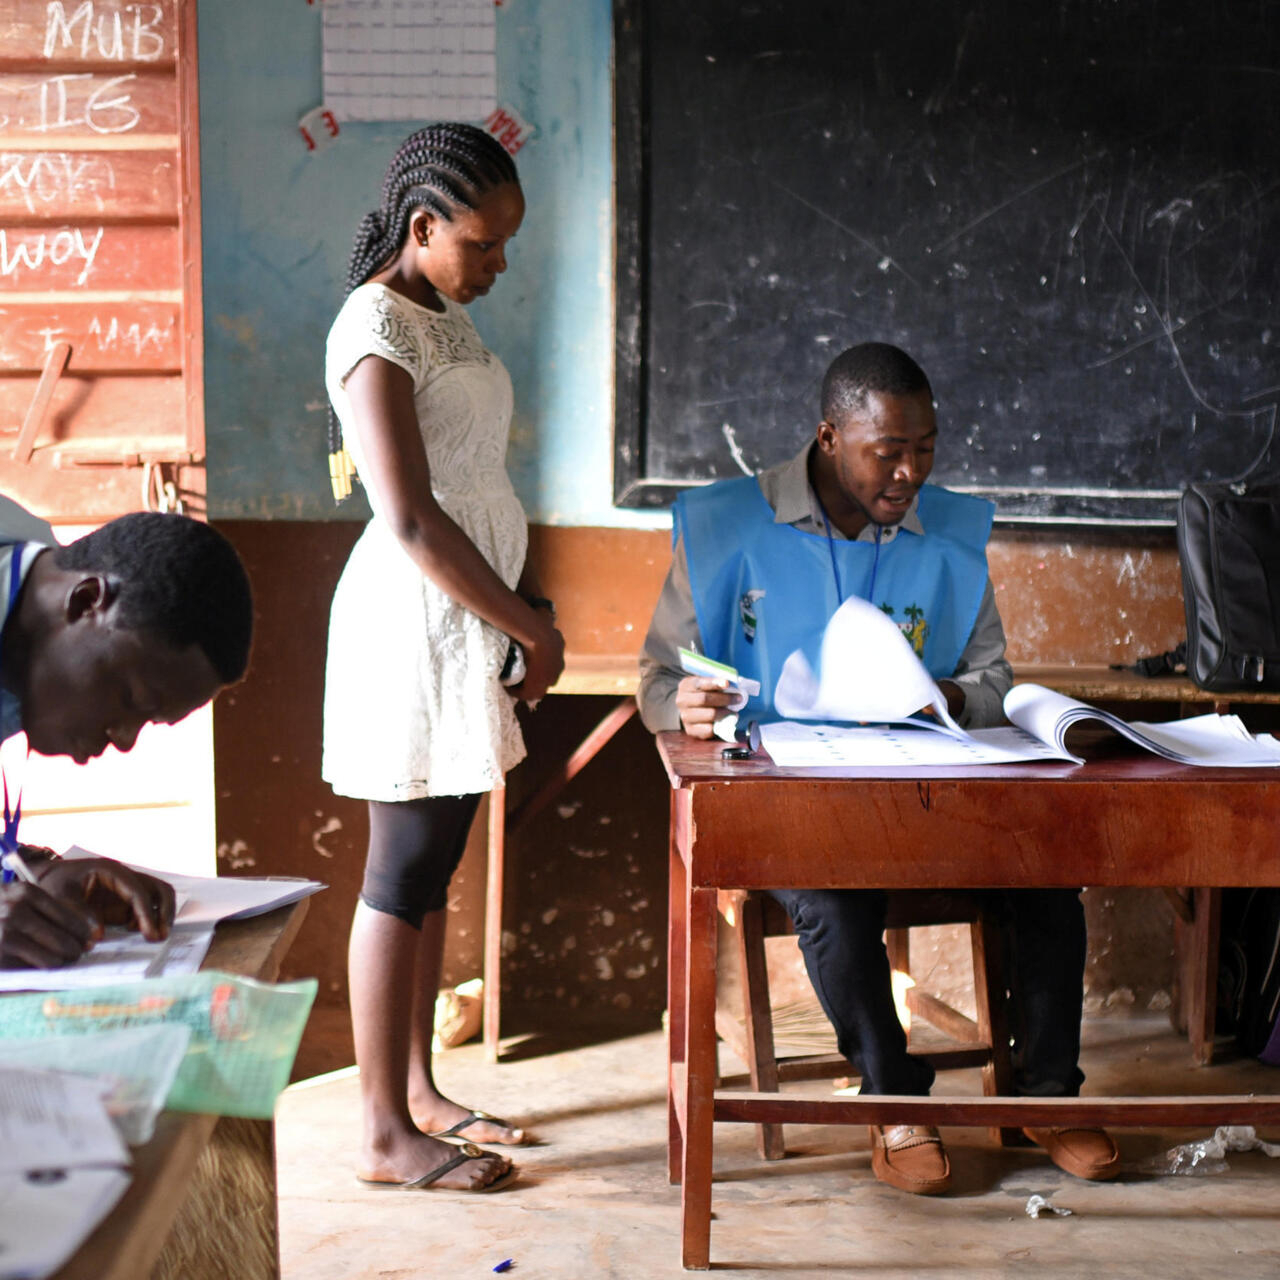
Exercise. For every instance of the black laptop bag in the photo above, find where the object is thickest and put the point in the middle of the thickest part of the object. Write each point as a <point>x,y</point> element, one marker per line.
<point>1229,546</point>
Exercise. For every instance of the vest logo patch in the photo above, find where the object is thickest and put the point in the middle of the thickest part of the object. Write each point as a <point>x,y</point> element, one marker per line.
<point>747,613</point>
<point>914,626</point>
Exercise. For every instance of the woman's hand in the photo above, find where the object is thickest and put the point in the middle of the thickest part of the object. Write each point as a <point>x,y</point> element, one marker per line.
<point>113,893</point>
<point>543,658</point>
<point>39,932</point>
<point>701,701</point>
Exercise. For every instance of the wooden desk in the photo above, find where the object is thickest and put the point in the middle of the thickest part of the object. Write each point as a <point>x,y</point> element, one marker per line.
<point>1131,821</point>
<point>618,676</point>
<point>203,1197</point>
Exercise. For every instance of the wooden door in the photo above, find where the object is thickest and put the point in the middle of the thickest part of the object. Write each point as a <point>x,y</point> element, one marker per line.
<point>101,378</point>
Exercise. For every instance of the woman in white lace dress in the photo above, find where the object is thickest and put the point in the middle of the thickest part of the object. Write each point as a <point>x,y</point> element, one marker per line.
<point>416,719</point>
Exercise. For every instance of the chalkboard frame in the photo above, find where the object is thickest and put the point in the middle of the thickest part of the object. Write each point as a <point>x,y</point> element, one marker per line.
<point>636,485</point>
<point>631,487</point>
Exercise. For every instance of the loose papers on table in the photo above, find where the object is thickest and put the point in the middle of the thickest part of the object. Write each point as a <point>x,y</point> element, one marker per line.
<point>125,956</point>
<point>136,1066</point>
<point>210,899</point>
<point>63,1167</point>
<point>868,673</point>
<point>46,1217</point>
<point>51,1120</point>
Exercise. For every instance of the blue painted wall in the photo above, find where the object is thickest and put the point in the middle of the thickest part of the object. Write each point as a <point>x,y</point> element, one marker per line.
<point>277,228</point>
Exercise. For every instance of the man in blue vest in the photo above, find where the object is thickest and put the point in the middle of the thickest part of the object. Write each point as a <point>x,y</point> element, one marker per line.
<point>141,621</point>
<point>760,564</point>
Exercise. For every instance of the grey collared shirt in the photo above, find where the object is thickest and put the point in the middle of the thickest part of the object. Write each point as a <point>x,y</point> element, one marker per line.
<point>982,671</point>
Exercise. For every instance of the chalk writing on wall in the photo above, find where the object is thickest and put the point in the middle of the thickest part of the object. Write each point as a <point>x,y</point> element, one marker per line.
<point>99,284</point>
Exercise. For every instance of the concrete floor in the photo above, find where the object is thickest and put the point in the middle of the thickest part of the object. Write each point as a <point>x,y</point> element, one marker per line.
<point>593,1200</point>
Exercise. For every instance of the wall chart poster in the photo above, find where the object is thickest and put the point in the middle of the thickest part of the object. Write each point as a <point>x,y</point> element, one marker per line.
<point>409,59</point>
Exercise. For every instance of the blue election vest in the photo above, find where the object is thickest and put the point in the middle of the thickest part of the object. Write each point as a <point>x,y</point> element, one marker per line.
<point>762,589</point>
<point>10,707</point>
<point>20,533</point>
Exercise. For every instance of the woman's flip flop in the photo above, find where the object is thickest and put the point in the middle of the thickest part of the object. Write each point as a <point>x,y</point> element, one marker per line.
<point>454,1132</point>
<point>468,1151</point>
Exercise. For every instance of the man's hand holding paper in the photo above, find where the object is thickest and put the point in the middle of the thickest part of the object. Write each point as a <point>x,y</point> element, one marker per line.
<point>702,701</point>
<point>710,695</point>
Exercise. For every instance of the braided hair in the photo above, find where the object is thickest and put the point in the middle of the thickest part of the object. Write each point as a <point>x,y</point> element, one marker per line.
<point>442,169</point>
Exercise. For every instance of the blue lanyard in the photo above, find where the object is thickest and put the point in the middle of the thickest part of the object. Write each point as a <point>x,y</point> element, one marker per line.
<point>835,567</point>
<point>9,836</point>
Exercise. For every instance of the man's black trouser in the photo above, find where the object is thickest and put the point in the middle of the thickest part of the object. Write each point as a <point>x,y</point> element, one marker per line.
<point>840,932</point>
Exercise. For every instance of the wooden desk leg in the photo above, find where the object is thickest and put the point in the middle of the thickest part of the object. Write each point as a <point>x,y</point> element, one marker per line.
<point>1198,954</point>
<point>227,1225</point>
<point>499,825</point>
<point>699,1078</point>
<point>676,1019</point>
<point>492,1007</point>
<point>762,1054</point>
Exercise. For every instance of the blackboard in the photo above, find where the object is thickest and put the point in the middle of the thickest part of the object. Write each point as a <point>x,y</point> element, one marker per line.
<point>1069,213</point>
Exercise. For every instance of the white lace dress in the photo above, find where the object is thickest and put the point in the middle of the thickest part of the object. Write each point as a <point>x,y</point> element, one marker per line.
<point>412,704</point>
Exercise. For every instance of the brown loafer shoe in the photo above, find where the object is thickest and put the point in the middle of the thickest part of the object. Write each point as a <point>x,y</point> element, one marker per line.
<point>910,1157</point>
<point>1084,1153</point>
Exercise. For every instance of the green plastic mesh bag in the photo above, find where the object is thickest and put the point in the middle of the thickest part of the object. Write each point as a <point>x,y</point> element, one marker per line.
<point>244,1034</point>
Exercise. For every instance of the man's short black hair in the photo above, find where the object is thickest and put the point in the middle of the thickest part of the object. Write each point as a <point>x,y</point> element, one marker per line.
<point>870,366</point>
<point>177,579</point>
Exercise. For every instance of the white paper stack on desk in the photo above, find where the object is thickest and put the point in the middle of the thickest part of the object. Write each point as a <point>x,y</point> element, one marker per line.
<point>63,1167</point>
<point>862,707</point>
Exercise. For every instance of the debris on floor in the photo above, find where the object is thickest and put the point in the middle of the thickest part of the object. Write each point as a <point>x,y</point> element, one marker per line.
<point>1039,1205</point>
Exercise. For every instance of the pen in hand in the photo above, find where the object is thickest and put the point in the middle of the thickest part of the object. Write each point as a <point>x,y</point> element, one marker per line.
<point>15,862</point>
<point>38,930</point>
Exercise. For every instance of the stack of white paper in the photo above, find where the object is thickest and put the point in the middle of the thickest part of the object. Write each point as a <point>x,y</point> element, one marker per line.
<point>63,1167</point>
<point>908,745</point>
<point>210,899</point>
<point>204,900</point>
<point>136,1065</point>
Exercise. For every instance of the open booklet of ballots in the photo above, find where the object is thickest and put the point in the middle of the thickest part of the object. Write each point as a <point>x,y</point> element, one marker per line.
<point>864,698</point>
<point>1209,740</point>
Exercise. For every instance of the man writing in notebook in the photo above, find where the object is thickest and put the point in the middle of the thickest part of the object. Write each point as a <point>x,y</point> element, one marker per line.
<point>141,621</point>
<point>760,565</point>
